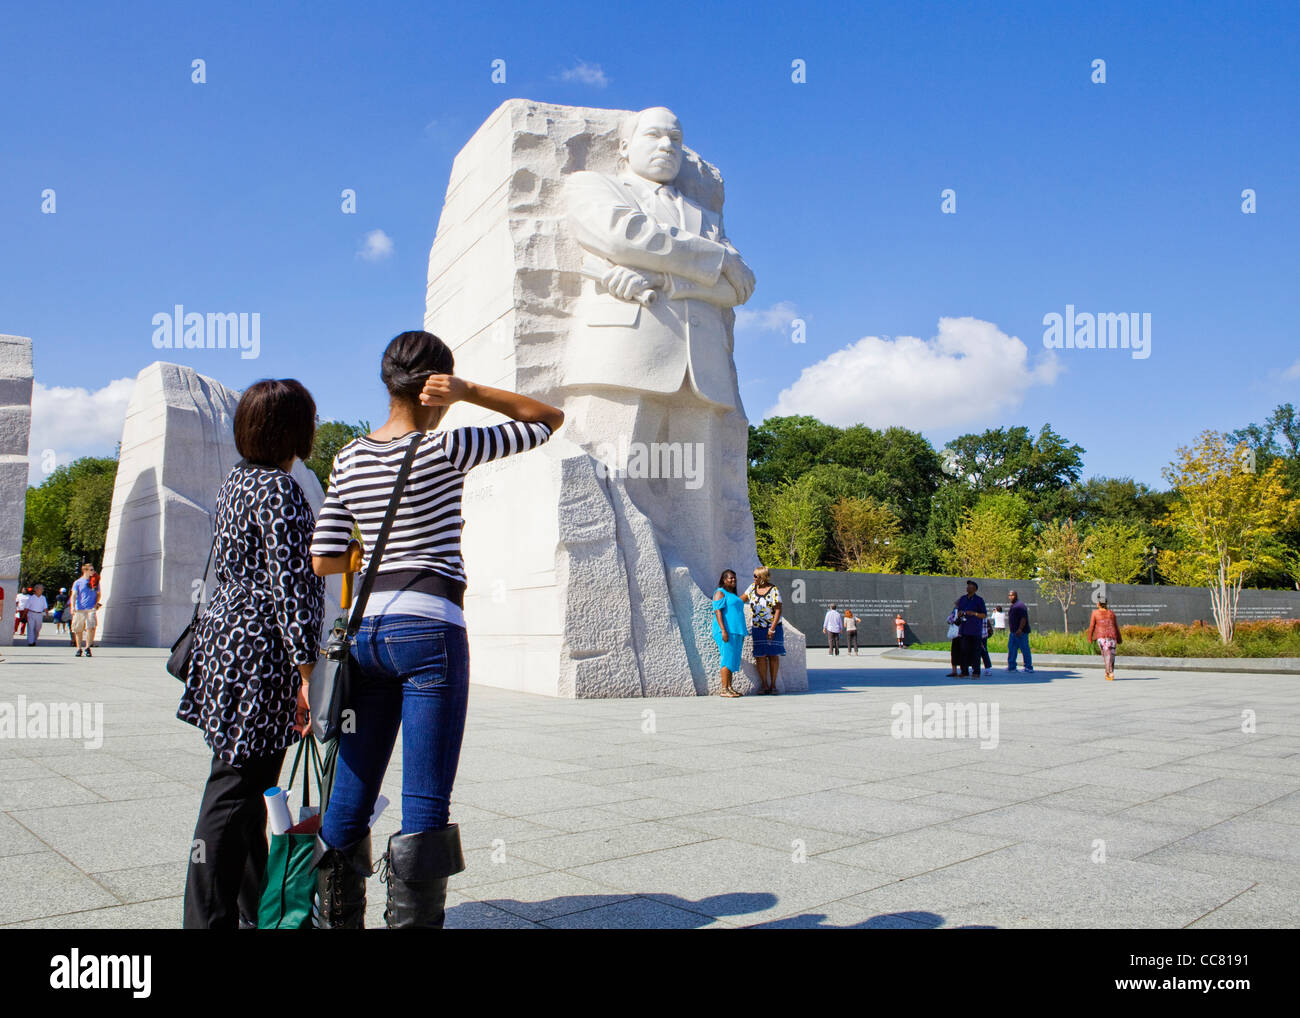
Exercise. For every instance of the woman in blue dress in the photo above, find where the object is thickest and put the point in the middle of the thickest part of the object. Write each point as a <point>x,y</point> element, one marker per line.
<point>728,628</point>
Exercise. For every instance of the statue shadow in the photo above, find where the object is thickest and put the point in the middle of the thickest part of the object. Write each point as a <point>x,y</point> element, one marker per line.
<point>667,911</point>
<point>833,680</point>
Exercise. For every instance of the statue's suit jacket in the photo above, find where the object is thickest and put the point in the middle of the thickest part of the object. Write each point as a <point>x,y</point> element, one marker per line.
<point>620,343</point>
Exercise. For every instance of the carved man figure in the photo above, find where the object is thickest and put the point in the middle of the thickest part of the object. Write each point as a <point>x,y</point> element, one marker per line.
<point>651,351</point>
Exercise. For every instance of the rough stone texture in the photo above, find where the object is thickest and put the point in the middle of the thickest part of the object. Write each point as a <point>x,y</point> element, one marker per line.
<point>178,445</point>
<point>15,424</point>
<point>570,592</point>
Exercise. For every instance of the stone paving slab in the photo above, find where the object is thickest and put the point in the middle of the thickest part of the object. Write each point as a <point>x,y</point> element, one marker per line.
<point>797,811</point>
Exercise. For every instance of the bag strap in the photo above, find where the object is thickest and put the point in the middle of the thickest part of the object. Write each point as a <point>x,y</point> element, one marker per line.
<point>368,581</point>
<point>206,566</point>
<point>307,742</point>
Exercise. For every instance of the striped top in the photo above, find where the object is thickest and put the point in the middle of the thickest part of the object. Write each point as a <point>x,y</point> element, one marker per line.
<point>426,529</point>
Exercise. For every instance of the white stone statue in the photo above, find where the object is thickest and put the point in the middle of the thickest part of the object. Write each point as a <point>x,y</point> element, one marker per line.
<point>653,340</point>
<point>561,270</point>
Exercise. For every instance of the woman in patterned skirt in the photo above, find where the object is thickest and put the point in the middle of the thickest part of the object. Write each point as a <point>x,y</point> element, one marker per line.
<point>764,602</point>
<point>254,649</point>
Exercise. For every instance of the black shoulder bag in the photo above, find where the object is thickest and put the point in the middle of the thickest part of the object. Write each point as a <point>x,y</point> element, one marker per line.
<point>330,689</point>
<point>178,661</point>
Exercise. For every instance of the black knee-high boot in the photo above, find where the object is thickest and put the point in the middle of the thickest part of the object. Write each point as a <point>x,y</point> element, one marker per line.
<point>416,868</point>
<point>341,884</point>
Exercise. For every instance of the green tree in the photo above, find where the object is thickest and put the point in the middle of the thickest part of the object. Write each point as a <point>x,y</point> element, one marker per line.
<point>1226,519</point>
<point>66,520</point>
<point>1117,552</point>
<point>1061,564</point>
<point>87,514</point>
<point>794,526</point>
<point>993,539</point>
<point>866,533</point>
<point>331,436</point>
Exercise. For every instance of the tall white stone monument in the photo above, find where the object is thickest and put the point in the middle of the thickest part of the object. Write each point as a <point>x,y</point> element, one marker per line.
<point>15,425</point>
<point>580,258</point>
<point>178,446</point>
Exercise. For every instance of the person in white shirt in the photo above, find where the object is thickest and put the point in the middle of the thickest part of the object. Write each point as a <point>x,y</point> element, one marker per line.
<point>999,618</point>
<point>832,627</point>
<point>20,611</point>
<point>36,609</point>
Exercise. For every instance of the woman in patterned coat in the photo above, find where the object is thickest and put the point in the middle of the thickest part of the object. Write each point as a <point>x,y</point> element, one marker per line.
<point>254,649</point>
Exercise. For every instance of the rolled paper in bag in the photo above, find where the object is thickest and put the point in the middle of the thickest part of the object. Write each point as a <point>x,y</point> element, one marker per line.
<point>277,810</point>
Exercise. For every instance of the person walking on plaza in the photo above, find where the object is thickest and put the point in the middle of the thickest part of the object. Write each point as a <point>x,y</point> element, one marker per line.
<point>728,629</point>
<point>832,626</point>
<point>766,633</point>
<point>1018,633</point>
<point>851,630</point>
<point>85,608</point>
<point>900,630</point>
<point>1104,628</point>
<point>970,621</point>
<point>20,616</point>
<point>60,610</point>
<point>412,649</point>
<point>37,606</point>
<point>253,651</point>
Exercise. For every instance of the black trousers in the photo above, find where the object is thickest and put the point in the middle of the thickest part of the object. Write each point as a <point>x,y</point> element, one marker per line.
<point>228,854</point>
<point>834,641</point>
<point>984,652</point>
<point>970,653</point>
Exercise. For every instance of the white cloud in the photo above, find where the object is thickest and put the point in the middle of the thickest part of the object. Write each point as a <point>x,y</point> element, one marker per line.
<point>585,74</point>
<point>376,246</point>
<point>777,318</point>
<point>1292,373</point>
<point>971,370</point>
<point>75,422</point>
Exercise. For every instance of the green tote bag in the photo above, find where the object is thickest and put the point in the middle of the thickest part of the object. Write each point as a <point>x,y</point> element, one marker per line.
<point>290,879</point>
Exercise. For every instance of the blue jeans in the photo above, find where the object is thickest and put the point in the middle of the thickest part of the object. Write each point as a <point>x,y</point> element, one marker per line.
<point>414,672</point>
<point>1018,641</point>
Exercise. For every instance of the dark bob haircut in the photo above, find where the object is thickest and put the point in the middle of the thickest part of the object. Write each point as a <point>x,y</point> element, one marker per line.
<point>409,361</point>
<point>275,419</point>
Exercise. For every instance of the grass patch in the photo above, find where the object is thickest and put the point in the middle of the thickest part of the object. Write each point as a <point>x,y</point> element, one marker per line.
<point>1270,638</point>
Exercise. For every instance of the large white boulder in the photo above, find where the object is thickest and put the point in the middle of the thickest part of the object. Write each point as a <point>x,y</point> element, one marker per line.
<point>15,426</point>
<point>178,446</point>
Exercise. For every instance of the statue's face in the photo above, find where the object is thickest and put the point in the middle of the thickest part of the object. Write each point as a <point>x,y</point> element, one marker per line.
<point>655,148</point>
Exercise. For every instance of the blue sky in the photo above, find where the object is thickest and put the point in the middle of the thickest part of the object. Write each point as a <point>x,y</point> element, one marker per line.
<point>1115,197</point>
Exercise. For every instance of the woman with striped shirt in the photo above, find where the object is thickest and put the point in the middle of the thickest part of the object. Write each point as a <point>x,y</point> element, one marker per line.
<point>412,648</point>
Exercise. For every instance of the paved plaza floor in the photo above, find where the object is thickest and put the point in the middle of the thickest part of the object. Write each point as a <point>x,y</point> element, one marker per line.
<point>1136,803</point>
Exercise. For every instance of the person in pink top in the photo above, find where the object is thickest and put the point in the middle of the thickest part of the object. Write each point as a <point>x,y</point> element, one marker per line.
<point>1103,627</point>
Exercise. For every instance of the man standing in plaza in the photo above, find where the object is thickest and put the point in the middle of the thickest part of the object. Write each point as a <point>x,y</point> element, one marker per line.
<point>970,621</point>
<point>85,600</point>
<point>832,627</point>
<point>37,606</point>
<point>1018,633</point>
